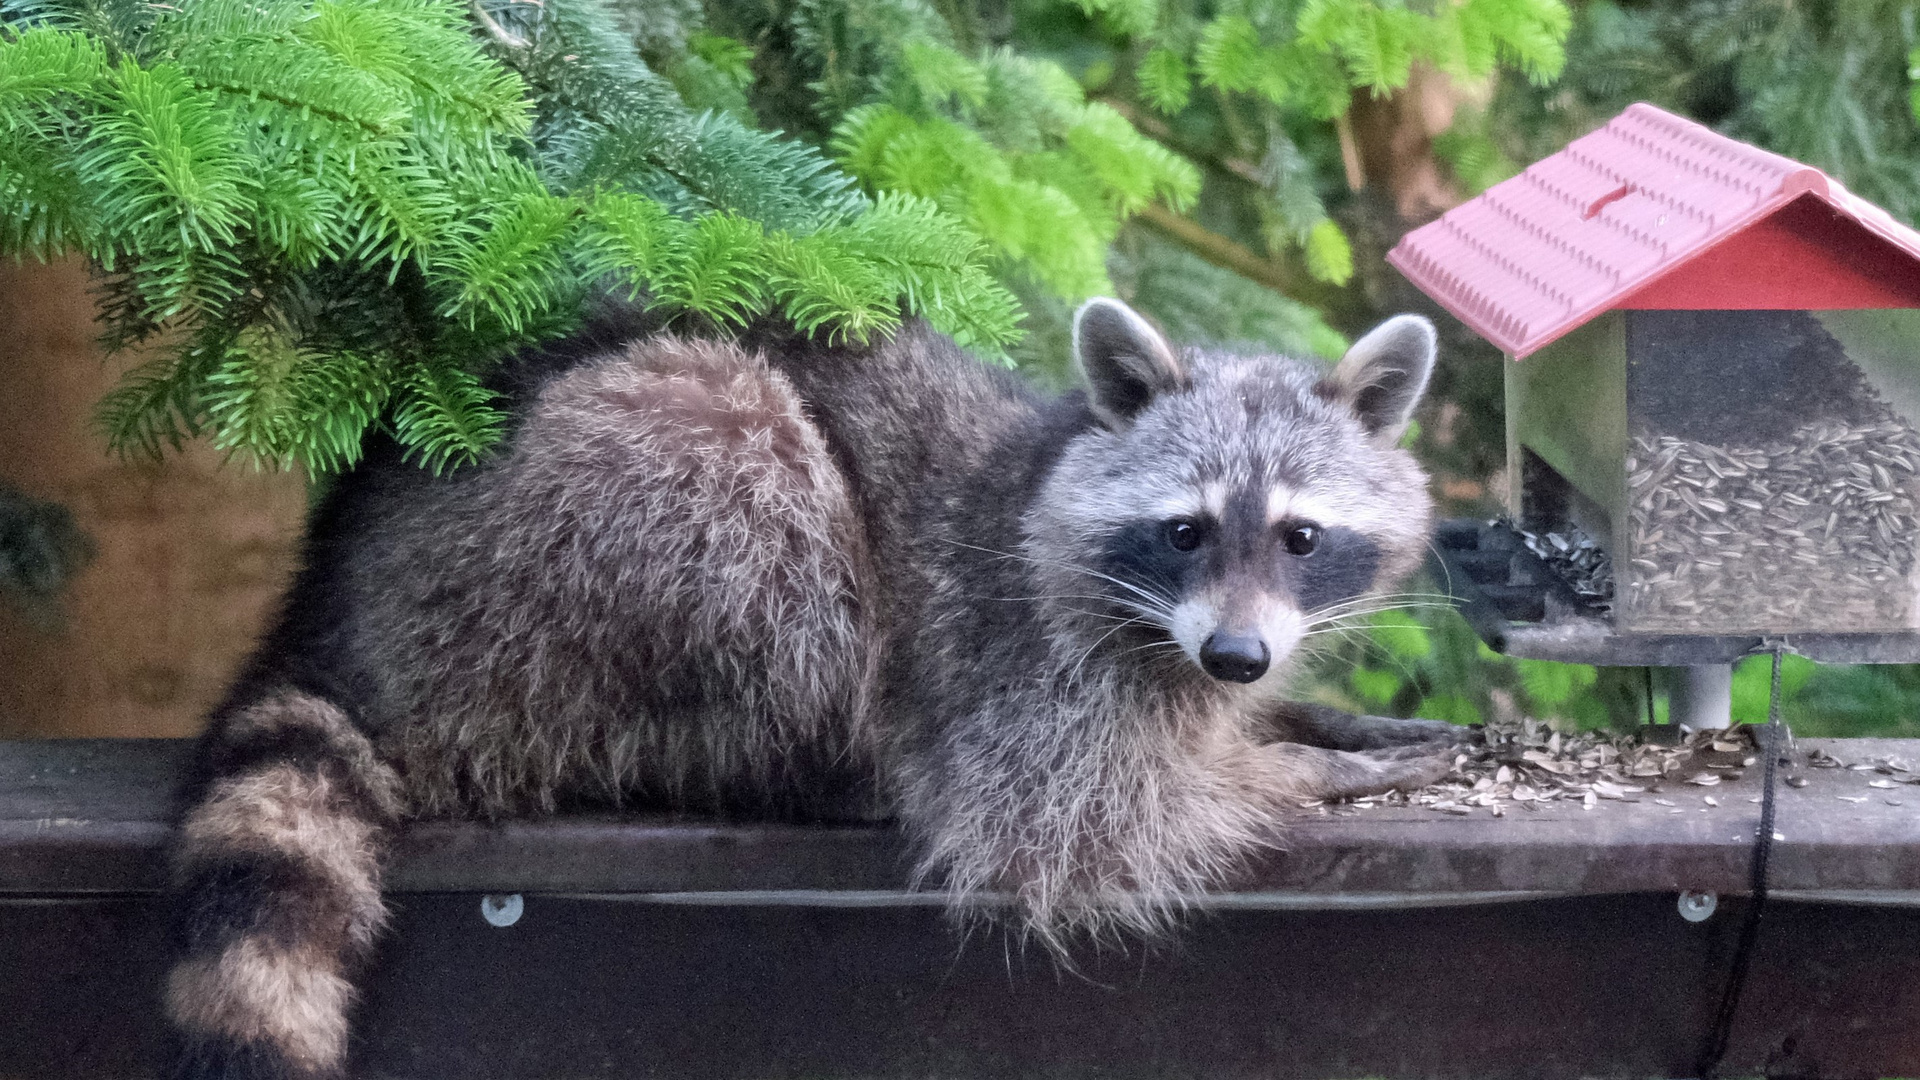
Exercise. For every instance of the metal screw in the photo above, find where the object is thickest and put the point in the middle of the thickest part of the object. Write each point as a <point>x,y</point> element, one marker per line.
<point>502,909</point>
<point>1694,906</point>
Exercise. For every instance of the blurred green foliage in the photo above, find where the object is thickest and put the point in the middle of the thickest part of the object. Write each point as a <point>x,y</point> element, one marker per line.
<point>1426,661</point>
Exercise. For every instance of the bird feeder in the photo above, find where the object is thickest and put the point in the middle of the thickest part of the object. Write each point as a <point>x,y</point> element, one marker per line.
<point>1713,405</point>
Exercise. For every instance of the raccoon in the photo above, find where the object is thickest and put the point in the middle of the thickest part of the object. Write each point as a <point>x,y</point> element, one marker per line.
<point>776,578</point>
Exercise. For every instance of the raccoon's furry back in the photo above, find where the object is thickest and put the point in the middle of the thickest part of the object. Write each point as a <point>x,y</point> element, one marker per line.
<point>583,620</point>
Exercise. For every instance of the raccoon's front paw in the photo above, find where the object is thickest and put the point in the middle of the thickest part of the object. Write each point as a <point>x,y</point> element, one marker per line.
<point>1416,766</point>
<point>1297,771</point>
<point>1336,729</point>
<point>1386,731</point>
<point>1403,768</point>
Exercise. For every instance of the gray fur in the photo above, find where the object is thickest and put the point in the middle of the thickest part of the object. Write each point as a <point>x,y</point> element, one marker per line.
<point>1123,359</point>
<point>654,595</point>
<point>830,582</point>
<point>1382,377</point>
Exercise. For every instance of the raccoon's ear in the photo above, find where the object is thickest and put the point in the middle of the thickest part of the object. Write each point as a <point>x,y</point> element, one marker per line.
<point>1124,360</point>
<point>1382,377</point>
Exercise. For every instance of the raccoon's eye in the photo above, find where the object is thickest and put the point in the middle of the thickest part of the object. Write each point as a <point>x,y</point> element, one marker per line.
<point>1183,535</point>
<point>1301,539</point>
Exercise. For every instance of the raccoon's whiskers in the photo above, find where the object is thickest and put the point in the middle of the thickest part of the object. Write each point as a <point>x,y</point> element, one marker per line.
<point>1158,647</point>
<point>1446,571</point>
<point>1158,602</point>
<point>1362,613</point>
<point>1152,600</point>
<point>1154,613</point>
<point>1333,631</point>
<point>1351,615</point>
<point>1339,630</point>
<point>1380,602</point>
<point>1074,675</point>
<point>1370,598</point>
<point>1088,612</point>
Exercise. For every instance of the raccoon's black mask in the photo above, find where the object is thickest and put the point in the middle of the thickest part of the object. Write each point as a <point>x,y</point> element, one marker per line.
<point>1228,503</point>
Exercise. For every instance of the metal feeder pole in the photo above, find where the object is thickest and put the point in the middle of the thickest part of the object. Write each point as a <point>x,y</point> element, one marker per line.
<point>1700,696</point>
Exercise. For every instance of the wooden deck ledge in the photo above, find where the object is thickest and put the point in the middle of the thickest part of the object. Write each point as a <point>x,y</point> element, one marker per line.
<point>1387,942</point>
<point>92,816</point>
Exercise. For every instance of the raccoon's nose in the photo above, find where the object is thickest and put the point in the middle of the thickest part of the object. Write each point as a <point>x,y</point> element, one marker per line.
<point>1235,657</point>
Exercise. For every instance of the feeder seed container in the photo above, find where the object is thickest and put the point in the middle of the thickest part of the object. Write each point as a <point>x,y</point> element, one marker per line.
<point>1716,375</point>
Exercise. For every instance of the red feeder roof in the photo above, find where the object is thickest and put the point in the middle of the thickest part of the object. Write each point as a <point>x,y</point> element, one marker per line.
<point>1600,224</point>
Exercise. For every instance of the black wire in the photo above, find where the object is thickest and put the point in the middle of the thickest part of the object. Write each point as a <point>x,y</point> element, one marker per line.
<point>1757,884</point>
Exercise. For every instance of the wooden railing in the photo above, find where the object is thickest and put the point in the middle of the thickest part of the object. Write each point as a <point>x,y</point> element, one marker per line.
<point>1391,942</point>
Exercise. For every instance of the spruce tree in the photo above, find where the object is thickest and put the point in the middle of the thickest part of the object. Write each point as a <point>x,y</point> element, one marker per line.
<point>340,211</point>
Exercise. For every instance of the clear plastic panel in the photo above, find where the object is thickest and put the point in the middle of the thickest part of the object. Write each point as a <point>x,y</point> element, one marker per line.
<point>1773,470</point>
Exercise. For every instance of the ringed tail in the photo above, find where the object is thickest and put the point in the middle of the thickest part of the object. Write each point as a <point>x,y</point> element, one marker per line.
<point>276,878</point>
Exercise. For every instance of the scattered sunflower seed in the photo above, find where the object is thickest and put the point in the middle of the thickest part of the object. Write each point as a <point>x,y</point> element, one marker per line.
<point>1525,762</point>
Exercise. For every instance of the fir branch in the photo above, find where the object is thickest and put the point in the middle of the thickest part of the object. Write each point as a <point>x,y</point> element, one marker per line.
<point>824,281</point>
<point>120,27</point>
<point>510,266</point>
<point>1165,80</point>
<point>716,268</point>
<point>338,398</point>
<point>1199,302</point>
<point>1223,252</point>
<point>1229,55</point>
<point>608,119</point>
<point>157,404</point>
<point>40,64</point>
<point>444,417</point>
<point>296,75</point>
<point>306,190</point>
<point>624,238</point>
<point>935,264</point>
<point>250,397</point>
<point>46,200</point>
<point>167,174</point>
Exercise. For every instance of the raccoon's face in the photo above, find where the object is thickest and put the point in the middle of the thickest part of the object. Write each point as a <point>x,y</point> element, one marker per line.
<point>1229,504</point>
